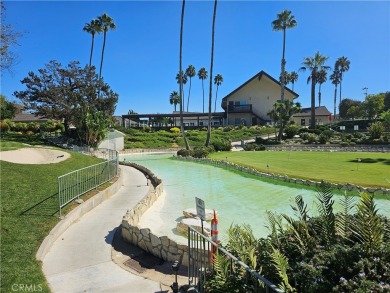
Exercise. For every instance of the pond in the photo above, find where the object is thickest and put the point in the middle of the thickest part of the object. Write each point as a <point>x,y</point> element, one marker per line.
<point>238,198</point>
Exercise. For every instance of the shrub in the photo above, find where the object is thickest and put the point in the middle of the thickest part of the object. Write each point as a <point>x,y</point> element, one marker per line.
<point>376,130</point>
<point>291,131</point>
<point>228,128</point>
<point>185,153</point>
<point>254,147</point>
<point>202,152</point>
<point>4,127</point>
<point>175,130</point>
<point>309,137</point>
<point>33,126</point>
<point>221,145</point>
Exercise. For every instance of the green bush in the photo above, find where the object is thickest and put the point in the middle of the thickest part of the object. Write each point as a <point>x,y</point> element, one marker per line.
<point>221,145</point>
<point>254,147</point>
<point>185,153</point>
<point>376,130</point>
<point>4,127</point>
<point>291,131</point>
<point>175,130</point>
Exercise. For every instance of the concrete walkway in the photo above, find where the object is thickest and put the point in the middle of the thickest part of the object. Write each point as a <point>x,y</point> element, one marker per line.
<point>80,259</point>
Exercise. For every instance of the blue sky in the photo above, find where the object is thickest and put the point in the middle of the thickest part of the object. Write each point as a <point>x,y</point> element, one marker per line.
<point>141,56</point>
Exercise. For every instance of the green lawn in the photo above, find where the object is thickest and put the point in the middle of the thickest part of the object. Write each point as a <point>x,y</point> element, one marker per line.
<point>337,167</point>
<point>29,210</point>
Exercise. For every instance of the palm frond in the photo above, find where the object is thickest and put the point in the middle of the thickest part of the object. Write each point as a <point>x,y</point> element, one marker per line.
<point>300,209</point>
<point>281,265</point>
<point>343,225</point>
<point>326,224</point>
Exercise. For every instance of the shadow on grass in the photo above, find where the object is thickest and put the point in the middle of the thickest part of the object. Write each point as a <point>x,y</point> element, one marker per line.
<point>371,161</point>
<point>47,207</point>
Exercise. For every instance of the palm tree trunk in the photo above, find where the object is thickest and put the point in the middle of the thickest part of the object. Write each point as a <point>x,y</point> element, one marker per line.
<point>215,103</point>
<point>341,80</point>
<point>189,92</point>
<point>319,95</point>
<point>101,60</point>
<point>335,101</point>
<point>283,66</point>
<point>90,57</point>
<point>211,76</point>
<point>203,93</point>
<point>181,78</point>
<point>313,102</point>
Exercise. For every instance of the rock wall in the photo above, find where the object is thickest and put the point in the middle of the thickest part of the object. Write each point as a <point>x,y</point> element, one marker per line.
<point>162,246</point>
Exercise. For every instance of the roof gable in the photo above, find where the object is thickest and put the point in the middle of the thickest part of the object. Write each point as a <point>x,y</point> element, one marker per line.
<point>260,75</point>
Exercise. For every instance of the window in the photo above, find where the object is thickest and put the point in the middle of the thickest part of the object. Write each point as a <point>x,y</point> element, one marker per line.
<point>303,121</point>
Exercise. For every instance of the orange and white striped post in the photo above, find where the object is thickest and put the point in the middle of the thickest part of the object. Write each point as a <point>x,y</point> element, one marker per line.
<point>214,232</point>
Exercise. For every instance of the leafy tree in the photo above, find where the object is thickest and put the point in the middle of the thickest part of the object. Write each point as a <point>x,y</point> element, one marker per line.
<point>355,112</point>
<point>94,27</point>
<point>202,74</point>
<point>314,64</point>
<point>387,101</point>
<point>106,24</point>
<point>284,21</point>
<point>321,78</point>
<point>218,79</point>
<point>174,99</point>
<point>67,94</point>
<point>211,75</point>
<point>190,72</point>
<point>373,106</point>
<point>281,114</point>
<point>342,65</point>
<point>335,78</point>
<point>9,38</point>
<point>96,127</point>
<point>7,108</point>
<point>180,76</point>
<point>385,116</point>
<point>345,105</point>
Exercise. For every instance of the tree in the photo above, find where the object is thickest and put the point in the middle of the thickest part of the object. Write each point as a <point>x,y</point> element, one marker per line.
<point>182,80</point>
<point>202,74</point>
<point>346,105</point>
<point>342,64</point>
<point>174,99</point>
<point>93,28</point>
<point>335,78</point>
<point>387,101</point>
<point>385,116</point>
<point>106,24</point>
<point>7,109</point>
<point>284,21</point>
<point>321,78</point>
<point>314,64</point>
<point>211,75</point>
<point>181,75</point>
<point>355,112</point>
<point>293,78</point>
<point>373,106</point>
<point>218,79</point>
<point>281,114</point>
<point>9,38</point>
<point>68,94</point>
<point>190,72</point>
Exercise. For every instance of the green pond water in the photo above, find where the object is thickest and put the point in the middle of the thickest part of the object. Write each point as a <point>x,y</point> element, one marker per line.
<point>238,198</point>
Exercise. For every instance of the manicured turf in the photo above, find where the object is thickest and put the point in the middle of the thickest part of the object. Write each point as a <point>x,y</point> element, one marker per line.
<point>338,167</point>
<point>29,210</point>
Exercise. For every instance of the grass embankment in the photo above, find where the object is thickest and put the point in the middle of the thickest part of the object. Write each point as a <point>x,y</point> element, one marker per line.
<point>29,210</point>
<point>337,167</point>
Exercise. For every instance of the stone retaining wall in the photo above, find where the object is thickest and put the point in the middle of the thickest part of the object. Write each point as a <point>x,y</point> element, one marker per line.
<point>156,150</point>
<point>285,178</point>
<point>162,246</point>
<point>329,148</point>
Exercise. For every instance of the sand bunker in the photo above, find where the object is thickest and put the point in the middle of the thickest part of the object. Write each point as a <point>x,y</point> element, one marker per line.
<point>34,156</point>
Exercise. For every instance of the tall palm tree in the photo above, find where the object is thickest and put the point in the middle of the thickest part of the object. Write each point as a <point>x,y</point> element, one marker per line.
<point>202,74</point>
<point>293,78</point>
<point>335,78</point>
<point>218,79</point>
<point>284,21</point>
<point>343,66</point>
<point>314,64</point>
<point>190,72</point>
<point>321,78</point>
<point>180,76</point>
<point>107,23</point>
<point>211,75</point>
<point>182,79</point>
<point>174,99</point>
<point>92,28</point>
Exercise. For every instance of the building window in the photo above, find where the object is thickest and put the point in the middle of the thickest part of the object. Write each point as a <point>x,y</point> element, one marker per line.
<point>303,121</point>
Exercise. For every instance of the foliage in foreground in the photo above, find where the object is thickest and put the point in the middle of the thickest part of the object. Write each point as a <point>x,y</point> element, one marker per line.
<point>344,252</point>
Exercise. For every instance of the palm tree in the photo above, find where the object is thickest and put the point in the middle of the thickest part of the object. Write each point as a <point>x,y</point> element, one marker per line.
<point>202,74</point>
<point>174,99</point>
<point>293,78</point>
<point>92,28</point>
<point>211,74</point>
<point>181,75</point>
<point>321,78</point>
<point>190,72</point>
<point>284,21</point>
<point>183,80</point>
<point>314,64</point>
<point>342,64</point>
<point>218,79</point>
<point>106,23</point>
<point>335,78</point>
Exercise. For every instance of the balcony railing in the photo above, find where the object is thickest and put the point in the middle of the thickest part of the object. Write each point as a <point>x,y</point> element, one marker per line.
<point>240,108</point>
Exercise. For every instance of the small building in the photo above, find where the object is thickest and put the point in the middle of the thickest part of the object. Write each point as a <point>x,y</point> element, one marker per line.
<point>323,116</point>
<point>28,117</point>
<point>114,140</point>
<point>250,103</point>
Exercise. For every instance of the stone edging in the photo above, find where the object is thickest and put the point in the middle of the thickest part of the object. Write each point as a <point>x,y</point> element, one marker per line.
<point>161,247</point>
<point>75,214</point>
<point>285,178</point>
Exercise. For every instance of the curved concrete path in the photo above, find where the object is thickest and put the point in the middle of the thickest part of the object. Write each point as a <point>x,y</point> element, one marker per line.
<point>80,259</point>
